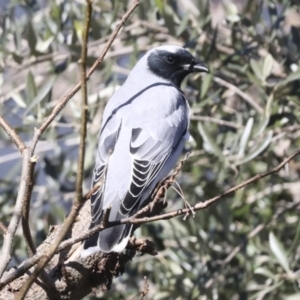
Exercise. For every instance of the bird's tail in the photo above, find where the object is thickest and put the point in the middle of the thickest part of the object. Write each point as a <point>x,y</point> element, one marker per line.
<point>113,239</point>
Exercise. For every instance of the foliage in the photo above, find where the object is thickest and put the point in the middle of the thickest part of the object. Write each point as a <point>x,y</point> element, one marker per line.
<point>245,120</point>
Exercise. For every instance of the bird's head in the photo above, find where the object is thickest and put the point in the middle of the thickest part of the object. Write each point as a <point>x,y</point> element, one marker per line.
<point>173,63</point>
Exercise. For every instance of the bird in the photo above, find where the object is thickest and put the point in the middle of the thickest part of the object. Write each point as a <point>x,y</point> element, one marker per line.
<point>144,129</point>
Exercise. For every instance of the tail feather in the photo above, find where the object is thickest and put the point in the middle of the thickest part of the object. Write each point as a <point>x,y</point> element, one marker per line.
<point>111,239</point>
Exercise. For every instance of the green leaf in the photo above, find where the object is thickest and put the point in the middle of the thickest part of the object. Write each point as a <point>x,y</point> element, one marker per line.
<point>265,272</point>
<point>209,141</point>
<point>267,66</point>
<point>159,5</point>
<point>279,252</point>
<point>31,90</point>
<point>161,295</point>
<point>205,84</point>
<point>245,137</point>
<point>18,99</point>
<point>256,67</point>
<point>260,148</point>
<point>31,37</point>
<point>41,94</point>
<point>183,25</point>
<point>169,17</point>
<point>78,26</point>
<point>290,78</point>
<point>43,46</point>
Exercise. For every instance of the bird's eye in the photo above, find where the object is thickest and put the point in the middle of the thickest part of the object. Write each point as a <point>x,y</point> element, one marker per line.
<point>171,59</point>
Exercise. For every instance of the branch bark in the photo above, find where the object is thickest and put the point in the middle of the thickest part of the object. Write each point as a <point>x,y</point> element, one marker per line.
<point>12,134</point>
<point>73,276</point>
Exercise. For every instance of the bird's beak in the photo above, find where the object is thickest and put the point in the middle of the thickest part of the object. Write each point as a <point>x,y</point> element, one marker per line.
<point>199,67</point>
<point>196,67</point>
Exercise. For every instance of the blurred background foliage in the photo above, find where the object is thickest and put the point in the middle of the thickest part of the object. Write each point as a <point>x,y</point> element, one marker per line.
<point>245,120</point>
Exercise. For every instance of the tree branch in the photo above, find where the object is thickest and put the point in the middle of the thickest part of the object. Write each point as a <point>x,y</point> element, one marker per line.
<point>12,134</point>
<point>80,168</point>
<point>13,224</point>
<point>80,237</point>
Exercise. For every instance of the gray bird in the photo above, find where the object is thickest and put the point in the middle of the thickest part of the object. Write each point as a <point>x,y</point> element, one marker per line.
<point>145,126</point>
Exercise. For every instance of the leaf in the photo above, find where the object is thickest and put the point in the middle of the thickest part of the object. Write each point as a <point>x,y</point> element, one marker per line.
<point>255,66</point>
<point>161,295</point>
<point>41,94</point>
<point>245,137</point>
<point>205,84</point>
<point>43,46</point>
<point>31,37</point>
<point>175,268</point>
<point>183,25</point>
<point>78,26</point>
<point>290,78</point>
<point>213,147</point>
<point>159,5</point>
<point>169,17</point>
<point>260,148</point>
<point>31,90</point>
<point>18,99</point>
<point>279,252</point>
<point>267,66</point>
<point>265,272</point>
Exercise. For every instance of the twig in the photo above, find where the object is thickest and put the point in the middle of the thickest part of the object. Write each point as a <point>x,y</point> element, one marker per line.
<point>13,224</point>
<point>218,121</point>
<point>144,292</point>
<point>243,95</point>
<point>23,198</point>
<point>27,264</point>
<point>3,228</point>
<point>12,134</point>
<point>80,168</point>
<point>25,213</point>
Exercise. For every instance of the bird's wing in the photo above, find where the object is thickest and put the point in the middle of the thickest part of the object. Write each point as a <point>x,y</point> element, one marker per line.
<point>151,145</point>
<point>107,142</point>
<point>157,120</point>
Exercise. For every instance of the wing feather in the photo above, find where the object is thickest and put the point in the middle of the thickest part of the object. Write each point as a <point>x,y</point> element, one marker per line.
<point>151,146</point>
<point>108,140</point>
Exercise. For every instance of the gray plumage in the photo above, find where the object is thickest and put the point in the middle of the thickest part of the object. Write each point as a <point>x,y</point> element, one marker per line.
<point>145,126</point>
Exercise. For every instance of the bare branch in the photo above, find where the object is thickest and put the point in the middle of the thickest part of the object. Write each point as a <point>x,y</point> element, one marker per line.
<point>12,134</point>
<point>25,212</point>
<point>3,228</point>
<point>80,168</point>
<point>216,120</point>
<point>12,227</point>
